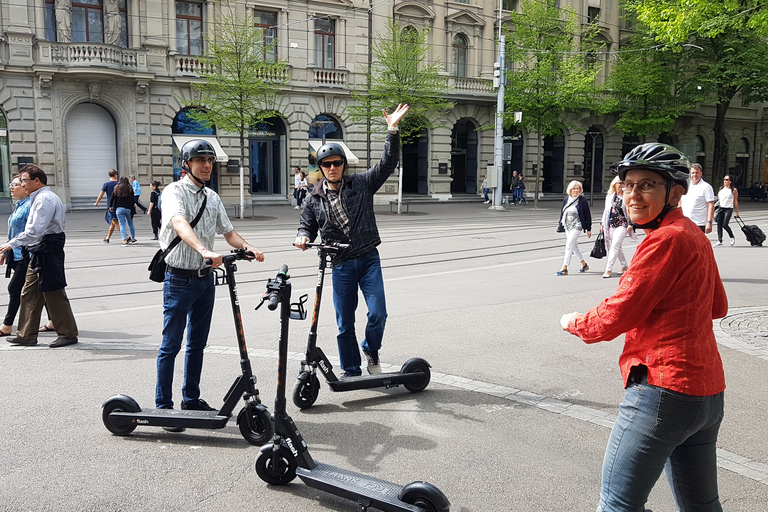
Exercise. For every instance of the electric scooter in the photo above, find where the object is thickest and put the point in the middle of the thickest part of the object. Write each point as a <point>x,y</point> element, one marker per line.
<point>121,414</point>
<point>414,374</point>
<point>287,456</point>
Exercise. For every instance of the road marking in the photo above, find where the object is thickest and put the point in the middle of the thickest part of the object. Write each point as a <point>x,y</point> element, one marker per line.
<point>730,461</point>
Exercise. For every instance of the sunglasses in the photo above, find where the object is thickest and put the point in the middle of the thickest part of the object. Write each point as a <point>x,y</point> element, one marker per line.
<point>327,165</point>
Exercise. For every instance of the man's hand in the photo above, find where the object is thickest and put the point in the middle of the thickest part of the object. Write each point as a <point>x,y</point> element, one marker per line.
<point>394,118</point>
<point>2,258</point>
<point>259,255</point>
<point>566,319</point>
<point>215,258</point>
<point>708,227</point>
<point>301,242</point>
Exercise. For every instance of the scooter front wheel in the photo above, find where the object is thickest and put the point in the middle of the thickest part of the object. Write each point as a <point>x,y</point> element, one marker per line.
<point>255,424</point>
<point>306,390</point>
<point>426,496</point>
<point>119,403</point>
<point>275,470</point>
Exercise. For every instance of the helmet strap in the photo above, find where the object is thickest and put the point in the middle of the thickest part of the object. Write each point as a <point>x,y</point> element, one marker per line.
<point>191,175</point>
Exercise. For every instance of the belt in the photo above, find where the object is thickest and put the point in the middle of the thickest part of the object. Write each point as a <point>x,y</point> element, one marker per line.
<point>203,272</point>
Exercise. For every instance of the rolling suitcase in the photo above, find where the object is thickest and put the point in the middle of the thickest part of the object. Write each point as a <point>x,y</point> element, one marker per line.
<point>754,234</point>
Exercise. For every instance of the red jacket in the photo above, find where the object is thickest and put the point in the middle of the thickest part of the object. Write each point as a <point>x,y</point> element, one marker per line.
<point>665,304</point>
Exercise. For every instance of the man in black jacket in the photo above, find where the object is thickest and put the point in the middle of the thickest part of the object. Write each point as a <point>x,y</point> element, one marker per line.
<point>340,207</point>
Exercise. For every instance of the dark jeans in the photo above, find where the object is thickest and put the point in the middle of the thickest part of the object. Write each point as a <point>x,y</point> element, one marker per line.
<point>722,223</point>
<point>155,216</point>
<point>14,290</point>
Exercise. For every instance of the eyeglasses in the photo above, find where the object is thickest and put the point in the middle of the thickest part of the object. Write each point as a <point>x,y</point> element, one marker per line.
<point>644,187</point>
<point>14,184</point>
<point>726,179</point>
<point>22,181</point>
<point>327,165</point>
<point>205,159</point>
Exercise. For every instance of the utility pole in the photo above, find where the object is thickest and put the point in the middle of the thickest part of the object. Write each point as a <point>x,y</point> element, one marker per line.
<point>370,64</point>
<point>498,146</point>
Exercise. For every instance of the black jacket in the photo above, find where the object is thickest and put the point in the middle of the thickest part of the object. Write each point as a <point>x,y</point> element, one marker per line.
<point>357,200</point>
<point>46,259</point>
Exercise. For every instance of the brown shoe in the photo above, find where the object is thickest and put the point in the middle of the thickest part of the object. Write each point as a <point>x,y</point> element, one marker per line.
<point>21,341</point>
<point>62,342</point>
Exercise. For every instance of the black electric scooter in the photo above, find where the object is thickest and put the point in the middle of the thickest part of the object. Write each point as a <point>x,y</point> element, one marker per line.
<point>414,374</point>
<point>122,414</point>
<point>287,456</point>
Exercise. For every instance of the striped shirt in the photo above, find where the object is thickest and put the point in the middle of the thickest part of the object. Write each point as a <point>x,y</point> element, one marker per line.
<point>17,222</point>
<point>185,198</point>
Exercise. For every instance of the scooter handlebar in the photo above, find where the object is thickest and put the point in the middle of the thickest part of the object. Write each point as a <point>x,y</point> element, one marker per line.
<point>328,246</point>
<point>274,297</point>
<point>237,254</point>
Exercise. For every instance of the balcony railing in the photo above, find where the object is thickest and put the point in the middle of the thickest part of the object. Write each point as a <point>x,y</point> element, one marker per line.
<point>88,54</point>
<point>330,77</point>
<point>188,65</point>
<point>480,85</point>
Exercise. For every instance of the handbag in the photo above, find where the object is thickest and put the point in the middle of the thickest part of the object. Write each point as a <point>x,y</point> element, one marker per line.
<point>598,251</point>
<point>158,266</point>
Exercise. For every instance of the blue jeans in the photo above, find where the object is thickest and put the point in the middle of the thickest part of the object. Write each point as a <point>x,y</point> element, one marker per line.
<point>363,272</point>
<point>126,221</point>
<point>485,193</point>
<point>657,430</point>
<point>187,303</point>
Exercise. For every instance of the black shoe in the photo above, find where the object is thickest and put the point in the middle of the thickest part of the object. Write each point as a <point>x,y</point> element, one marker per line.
<point>347,375</point>
<point>106,240</point>
<point>196,405</point>
<point>62,342</point>
<point>21,341</point>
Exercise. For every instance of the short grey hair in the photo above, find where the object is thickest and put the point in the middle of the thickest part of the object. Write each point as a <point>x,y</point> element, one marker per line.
<point>574,183</point>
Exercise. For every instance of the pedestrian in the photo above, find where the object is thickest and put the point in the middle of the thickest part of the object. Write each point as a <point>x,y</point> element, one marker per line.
<point>303,189</point>
<point>615,226</point>
<point>42,241</point>
<point>16,268</point>
<point>297,186</point>
<point>699,202</point>
<point>520,190</point>
<point>154,212</point>
<point>188,289</point>
<point>109,215</point>
<point>352,221</point>
<point>728,196</point>
<point>513,182</point>
<point>137,194</point>
<point>575,217</point>
<point>122,204</point>
<point>670,365</point>
<point>485,190</point>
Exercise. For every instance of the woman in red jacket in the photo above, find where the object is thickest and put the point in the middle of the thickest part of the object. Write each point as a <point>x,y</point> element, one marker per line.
<point>671,368</point>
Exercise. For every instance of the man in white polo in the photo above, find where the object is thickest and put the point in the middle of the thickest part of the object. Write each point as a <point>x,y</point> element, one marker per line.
<point>699,203</point>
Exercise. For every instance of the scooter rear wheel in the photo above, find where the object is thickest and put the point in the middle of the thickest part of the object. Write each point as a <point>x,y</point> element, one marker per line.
<point>417,366</point>
<point>426,496</point>
<point>306,390</point>
<point>275,471</point>
<point>255,425</point>
<point>117,405</point>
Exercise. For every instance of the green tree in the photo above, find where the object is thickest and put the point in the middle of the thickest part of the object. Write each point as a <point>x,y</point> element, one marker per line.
<point>402,74</point>
<point>731,58</point>
<point>239,78</point>
<point>551,74</point>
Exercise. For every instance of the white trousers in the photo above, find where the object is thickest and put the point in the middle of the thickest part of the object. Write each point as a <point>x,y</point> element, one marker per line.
<point>572,246</point>
<point>613,244</point>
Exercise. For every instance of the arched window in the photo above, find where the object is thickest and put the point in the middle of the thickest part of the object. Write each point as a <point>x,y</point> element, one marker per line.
<point>742,147</point>
<point>325,127</point>
<point>184,124</point>
<point>460,45</point>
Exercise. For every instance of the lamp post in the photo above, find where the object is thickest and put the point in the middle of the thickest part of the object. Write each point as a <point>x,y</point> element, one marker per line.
<point>592,172</point>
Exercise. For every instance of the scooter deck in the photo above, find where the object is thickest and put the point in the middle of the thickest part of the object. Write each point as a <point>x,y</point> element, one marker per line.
<point>386,380</point>
<point>171,418</point>
<point>357,487</point>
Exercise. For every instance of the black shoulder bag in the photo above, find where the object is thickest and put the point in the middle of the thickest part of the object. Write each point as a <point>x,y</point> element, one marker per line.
<point>158,266</point>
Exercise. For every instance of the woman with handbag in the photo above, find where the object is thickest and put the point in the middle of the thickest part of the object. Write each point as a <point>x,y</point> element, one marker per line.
<point>615,226</point>
<point>575,217</point>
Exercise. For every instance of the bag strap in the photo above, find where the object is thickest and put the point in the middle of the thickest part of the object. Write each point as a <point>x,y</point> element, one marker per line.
<point>192,224</point>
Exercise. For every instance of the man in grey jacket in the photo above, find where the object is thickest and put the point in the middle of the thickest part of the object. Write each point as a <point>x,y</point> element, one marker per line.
<point>340,207</point>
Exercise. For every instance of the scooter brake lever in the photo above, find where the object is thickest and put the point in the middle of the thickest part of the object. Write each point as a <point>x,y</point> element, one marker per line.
<point>263,300</point>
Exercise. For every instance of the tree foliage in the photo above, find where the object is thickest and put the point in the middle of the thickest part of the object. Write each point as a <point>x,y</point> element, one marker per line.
<point>549,76</point>
<point>239,77</point>
<point>402,73</point>
<point>724,51</point>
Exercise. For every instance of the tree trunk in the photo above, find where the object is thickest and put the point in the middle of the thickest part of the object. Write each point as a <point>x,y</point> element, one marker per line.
<point>720,153</point>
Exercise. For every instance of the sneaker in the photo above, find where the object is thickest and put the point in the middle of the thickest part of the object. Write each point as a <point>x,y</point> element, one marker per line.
<point>733,242</point>
<point>297,207</point>
<point>106,240</point>
<point>718,244</point>
<point>155,238</point>
<point>374,368</point>
<point>124,244</point>
<point>132,241</point>
<point>196,405</point>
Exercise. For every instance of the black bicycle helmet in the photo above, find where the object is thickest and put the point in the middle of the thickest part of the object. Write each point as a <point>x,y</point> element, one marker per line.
<point>195,148</point>
<point>328,150</point>
<point>663,159</point>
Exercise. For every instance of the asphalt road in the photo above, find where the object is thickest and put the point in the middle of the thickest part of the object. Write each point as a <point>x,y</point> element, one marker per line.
<point>516,417</point>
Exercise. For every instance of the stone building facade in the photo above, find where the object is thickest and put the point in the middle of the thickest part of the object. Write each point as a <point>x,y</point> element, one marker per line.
<point>89,85</point>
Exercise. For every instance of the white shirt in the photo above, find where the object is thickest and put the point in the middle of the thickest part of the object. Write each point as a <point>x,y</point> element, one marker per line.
<point>185,198</point>
<point>46,216</point>
<point>296,180</point>
<point>726,197</point>
<point>694,203</point>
